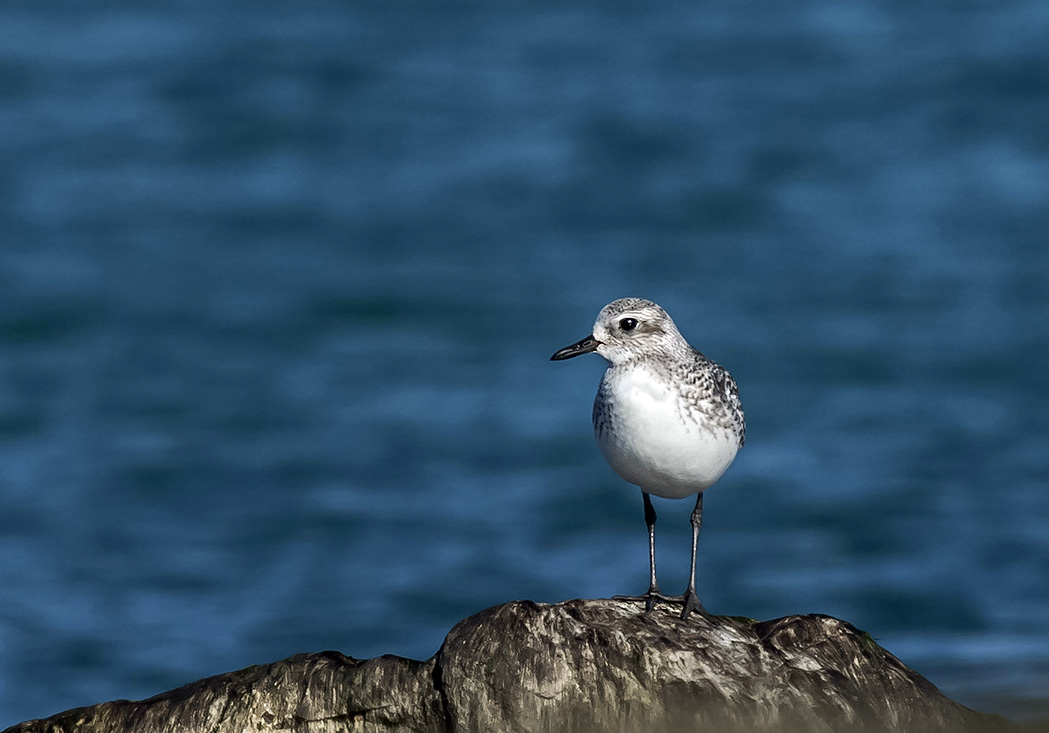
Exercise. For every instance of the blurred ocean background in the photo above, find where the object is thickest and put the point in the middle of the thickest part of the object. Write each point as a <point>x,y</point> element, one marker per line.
<point>279,283</point>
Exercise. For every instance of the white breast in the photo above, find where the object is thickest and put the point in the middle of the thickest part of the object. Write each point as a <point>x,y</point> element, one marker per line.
<point>656,441</point>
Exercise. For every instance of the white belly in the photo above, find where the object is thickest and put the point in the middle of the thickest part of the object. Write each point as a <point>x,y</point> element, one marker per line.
<point>659,444</point>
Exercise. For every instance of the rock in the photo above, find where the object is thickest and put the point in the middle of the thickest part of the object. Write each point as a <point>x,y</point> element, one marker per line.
<point>585,665</point>
<point>307,692</point>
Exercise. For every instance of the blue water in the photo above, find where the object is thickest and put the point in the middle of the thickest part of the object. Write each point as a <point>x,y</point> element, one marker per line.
<point>279,283</point>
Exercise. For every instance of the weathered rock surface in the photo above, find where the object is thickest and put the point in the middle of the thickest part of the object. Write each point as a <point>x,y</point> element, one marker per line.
<point>576,666</point>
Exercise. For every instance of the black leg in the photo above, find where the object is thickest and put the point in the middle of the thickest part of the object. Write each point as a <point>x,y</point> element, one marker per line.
<point>653,593</point>
<point>650,522</point>
<point>691,600</point>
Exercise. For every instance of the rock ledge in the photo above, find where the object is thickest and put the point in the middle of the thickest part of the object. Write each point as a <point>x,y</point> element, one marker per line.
<point>583,665</point>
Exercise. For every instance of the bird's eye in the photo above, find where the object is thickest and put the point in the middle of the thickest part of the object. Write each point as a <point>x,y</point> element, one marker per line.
<point>628,324</point>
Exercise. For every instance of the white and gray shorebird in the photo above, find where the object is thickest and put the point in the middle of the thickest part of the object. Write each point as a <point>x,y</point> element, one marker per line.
<point>667,418</point>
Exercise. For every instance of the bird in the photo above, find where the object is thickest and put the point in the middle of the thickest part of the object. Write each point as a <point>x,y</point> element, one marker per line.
<point>667,419</point>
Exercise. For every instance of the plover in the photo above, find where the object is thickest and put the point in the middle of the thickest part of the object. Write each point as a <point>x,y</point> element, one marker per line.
<point>667,418</point>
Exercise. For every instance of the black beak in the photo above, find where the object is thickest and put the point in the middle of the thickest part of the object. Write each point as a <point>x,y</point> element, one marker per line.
<point>579,347</point>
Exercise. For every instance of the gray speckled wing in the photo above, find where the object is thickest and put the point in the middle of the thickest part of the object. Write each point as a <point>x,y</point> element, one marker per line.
<point>707,387</point>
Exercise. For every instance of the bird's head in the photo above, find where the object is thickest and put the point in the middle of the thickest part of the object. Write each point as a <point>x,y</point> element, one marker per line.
<point>625,330</point>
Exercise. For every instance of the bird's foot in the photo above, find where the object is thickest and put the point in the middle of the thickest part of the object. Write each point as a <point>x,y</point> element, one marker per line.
<point>691,603</point>
<point>649,598</point>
